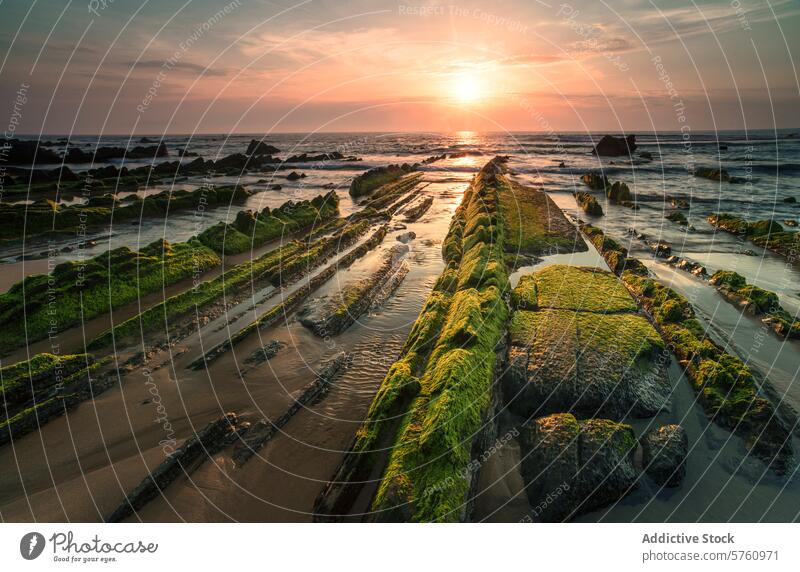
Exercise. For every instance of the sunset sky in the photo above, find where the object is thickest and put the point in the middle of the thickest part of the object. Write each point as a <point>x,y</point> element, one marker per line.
<point>260,66</point>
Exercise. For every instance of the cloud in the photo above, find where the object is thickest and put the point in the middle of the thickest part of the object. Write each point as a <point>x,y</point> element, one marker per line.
<point>532,59</point>
<point>180,67</point>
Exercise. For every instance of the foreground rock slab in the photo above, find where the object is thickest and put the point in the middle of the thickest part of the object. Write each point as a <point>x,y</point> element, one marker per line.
<point>579,344</point>
<point>664,451</point>
<point>571,467</point>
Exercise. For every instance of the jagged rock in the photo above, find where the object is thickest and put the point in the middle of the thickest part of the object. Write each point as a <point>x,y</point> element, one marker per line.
<point>595,180</point>
<point>572,467</point>
<point>294,176</point>
<point>661,249</point>
<point>265,352</point>
<point>610,146</point>
<point>208,441</point>
<point>25,152</point>
<point>260,148</point>
<point>715,174</point>
<point>790,200</point>
<point>332,315</point>
<point>664,453</point>
<point>370,180</point>
<point>103,154</point>
<point>588,203</point>
<point>263,430</point>
<point>561,165</point>
<point>415,212</point>
<point>331,156</point>
<point>407,237</point>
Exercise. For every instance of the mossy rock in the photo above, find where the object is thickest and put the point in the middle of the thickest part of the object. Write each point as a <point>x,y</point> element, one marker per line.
<point>571,467</point>
<point>581,289</point>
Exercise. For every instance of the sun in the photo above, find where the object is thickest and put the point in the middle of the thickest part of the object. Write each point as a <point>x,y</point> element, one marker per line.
<point>467,89</point>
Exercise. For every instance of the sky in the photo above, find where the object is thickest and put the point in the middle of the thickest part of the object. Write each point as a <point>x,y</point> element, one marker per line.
<point>260,66</point>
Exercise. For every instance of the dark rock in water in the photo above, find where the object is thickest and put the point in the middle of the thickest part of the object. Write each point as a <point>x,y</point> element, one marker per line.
<point>26,152</point>
<point>677,217</point>
<point>294,176</point>
<point>791,200</point>
<point>561,165</point>
<point>370,180</point>
<point>332,315</point>
<point>715,175</point>
<point>265,429</point>
<point>661,249</point>
<point>265,352</point>
<point>645,155</point>
<point>331,156</point>
<point>103,154</point>
<point>679,203</point>
<point>275,187</point>
<point>407,237</point>
<point>260,148</point>
<point>415,212</point>
<point>208,441</point>
<point>571,467</point>
<point>619,193</point>
<point>610,146</point>
<point>595,180</point>
<point>588,203</point>
<point>664,453</point>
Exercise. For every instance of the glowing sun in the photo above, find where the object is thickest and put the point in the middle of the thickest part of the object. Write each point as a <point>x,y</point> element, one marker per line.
<point>466,89</point>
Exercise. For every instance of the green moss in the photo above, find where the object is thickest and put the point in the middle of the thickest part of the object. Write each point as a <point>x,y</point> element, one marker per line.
<point>678,217</point>
<point>763,228</point>
<point>368,181</point>
<point>728,278</point>
<point>588,203</point>
<point>525,296</point>
<point>728,222</point>
<point>250,229</point>
<point>670,312</point>
<point>580,289</point>
<point>277,266</point>
<point>786,244</point>
<point>725,384</point>
<point>47,216</point>
<point>533,224</point>
<point>424,476</point>
<point>22,380</point>
<point>78,291</point>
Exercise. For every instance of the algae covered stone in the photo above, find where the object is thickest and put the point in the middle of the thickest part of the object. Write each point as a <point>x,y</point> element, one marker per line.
<point>664,452</point>
<point>582,347</point>
<point>572,467</point>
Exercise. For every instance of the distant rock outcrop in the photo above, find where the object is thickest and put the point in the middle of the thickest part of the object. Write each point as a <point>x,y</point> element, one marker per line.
<point>17,152</point>
<point>260,148</point>
<point>610,146</point>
